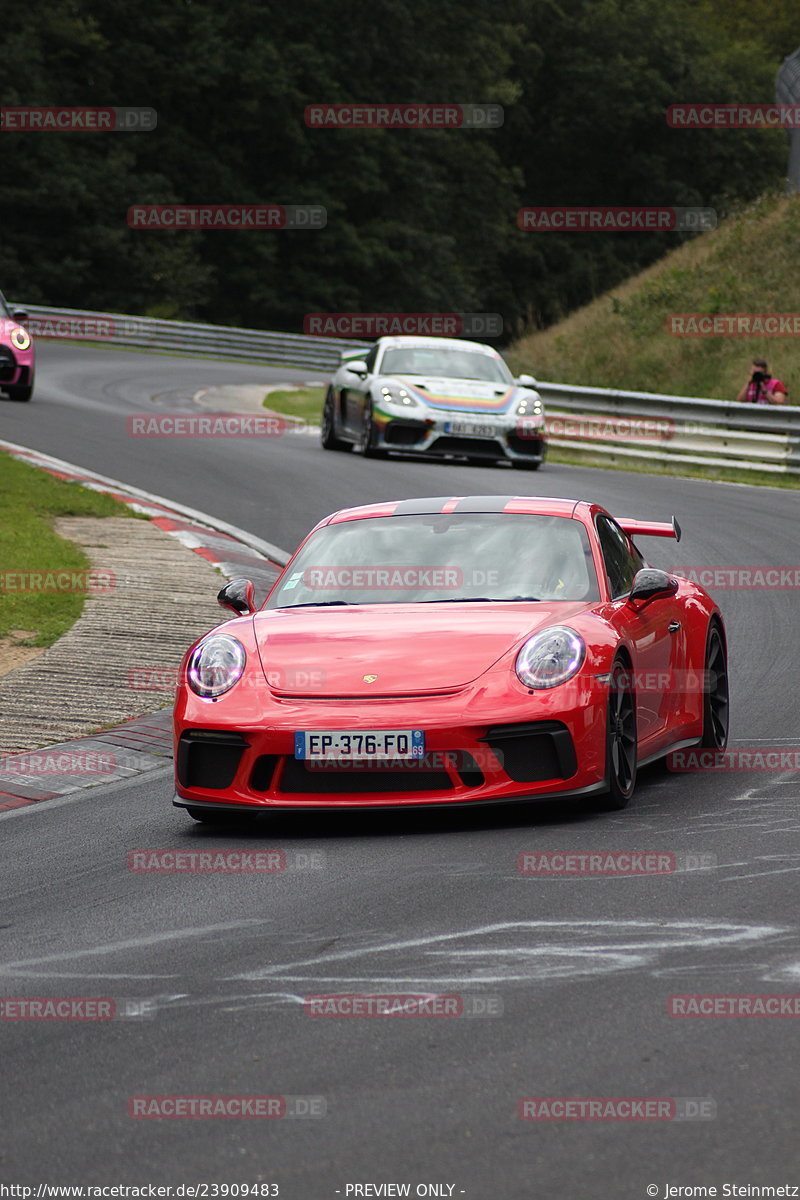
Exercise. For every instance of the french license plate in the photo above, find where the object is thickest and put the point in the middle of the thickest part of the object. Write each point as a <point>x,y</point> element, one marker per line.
<point>470,429</point>
<point>347,745</point>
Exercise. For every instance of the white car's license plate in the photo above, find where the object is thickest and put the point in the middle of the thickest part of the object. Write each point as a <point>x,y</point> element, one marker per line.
<point>470,429</point>
<point>352,745</point>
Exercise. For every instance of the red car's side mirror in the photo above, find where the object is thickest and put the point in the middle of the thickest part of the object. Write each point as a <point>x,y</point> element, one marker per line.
<point>239,596</point>
<point>651,584</point>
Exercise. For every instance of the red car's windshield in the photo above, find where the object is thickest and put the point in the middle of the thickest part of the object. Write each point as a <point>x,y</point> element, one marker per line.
<point>441,558</point>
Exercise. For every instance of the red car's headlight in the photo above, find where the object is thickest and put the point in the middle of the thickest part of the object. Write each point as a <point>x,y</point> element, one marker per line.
<point>20,338</point>
<point>550,657</point>
<point>216,665</point>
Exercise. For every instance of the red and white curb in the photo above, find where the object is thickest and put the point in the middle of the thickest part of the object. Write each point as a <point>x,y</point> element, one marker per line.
<point>216,540</point>
<point>146,742</point>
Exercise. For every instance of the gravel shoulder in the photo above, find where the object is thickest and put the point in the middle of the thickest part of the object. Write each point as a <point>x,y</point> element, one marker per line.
<point>119,659</point>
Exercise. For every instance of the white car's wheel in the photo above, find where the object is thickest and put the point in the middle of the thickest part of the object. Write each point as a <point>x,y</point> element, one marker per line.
<point>328,426</point>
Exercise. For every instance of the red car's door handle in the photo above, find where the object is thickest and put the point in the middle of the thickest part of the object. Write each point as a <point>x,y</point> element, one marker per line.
<point>674,626</point>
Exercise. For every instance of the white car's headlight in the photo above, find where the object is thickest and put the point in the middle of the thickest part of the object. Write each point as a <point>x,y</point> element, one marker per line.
<point>550,657</point>
<point>20,338</point>
<point>529,406</point>
<point>395,393</point>
<point>216,665</point>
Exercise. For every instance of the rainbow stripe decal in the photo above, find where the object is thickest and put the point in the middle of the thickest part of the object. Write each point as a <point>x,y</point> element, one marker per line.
<point>455,403</point>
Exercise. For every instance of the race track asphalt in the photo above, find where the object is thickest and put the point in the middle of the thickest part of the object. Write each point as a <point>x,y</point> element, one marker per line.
<point>429,902</point>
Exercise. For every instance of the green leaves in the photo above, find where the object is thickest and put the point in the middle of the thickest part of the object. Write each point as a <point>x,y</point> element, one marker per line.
<point>417,221</point>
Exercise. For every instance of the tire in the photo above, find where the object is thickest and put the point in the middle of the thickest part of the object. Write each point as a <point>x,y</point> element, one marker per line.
<point>328,426</point>
<point>369,436</point>
<point>620,740</point>
<point>716,707</point>
<point>214,816</point>
<point>20,393</point>
<point>524,466</point>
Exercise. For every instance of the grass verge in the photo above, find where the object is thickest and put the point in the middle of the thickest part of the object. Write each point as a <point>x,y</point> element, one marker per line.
<point>303,402</point>
<point>30,499</point>
<point>623,339</point>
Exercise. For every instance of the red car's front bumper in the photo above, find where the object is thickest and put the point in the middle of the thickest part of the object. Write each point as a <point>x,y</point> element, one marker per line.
<point>477,751</point>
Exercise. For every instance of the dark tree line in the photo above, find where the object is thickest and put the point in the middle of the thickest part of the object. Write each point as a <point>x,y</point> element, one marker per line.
<point>417,221</point>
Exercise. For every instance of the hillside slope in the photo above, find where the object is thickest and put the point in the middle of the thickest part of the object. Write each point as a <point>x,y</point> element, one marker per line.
<point>750,264</point>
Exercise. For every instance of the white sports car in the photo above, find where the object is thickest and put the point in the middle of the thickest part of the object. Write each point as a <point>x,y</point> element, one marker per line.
<point>437,397</point>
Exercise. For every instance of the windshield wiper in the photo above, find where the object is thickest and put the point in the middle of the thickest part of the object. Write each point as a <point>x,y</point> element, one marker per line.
<point>457,600</point>
<point>315,604</point>
<point>479,599</point>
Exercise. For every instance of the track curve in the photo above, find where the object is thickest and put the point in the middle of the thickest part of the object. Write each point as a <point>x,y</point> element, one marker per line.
<point>582,967</point>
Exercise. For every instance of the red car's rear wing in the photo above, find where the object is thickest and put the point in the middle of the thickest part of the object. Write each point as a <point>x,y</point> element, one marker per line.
<point>650,528</point>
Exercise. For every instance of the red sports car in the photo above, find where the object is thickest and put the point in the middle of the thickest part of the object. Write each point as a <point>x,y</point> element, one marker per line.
<point>450,651</point>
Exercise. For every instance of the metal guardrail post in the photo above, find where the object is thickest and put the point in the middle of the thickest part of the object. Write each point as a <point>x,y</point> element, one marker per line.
<point>787,91</point>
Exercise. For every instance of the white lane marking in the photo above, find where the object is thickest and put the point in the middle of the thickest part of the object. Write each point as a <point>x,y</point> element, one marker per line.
<point>587,947</point>
<point>154,939</point>
<point>758,874</point>
<point>790,973</point>
<point>137,975</point>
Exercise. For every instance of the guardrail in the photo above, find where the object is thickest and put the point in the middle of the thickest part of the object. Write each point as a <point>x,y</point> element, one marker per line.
<point>620,426</point>
<point>680,429</point>
<point>185,337</point>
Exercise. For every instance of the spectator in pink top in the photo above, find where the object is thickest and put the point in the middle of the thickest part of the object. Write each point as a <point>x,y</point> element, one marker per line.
<point>761,387</point>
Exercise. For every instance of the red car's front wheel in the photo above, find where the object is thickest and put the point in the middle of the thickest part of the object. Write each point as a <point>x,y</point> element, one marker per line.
<point>715,692</point>
<point>620,739</point>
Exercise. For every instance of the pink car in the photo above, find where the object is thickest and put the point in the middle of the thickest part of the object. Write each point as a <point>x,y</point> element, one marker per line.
<point>16,353</point>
